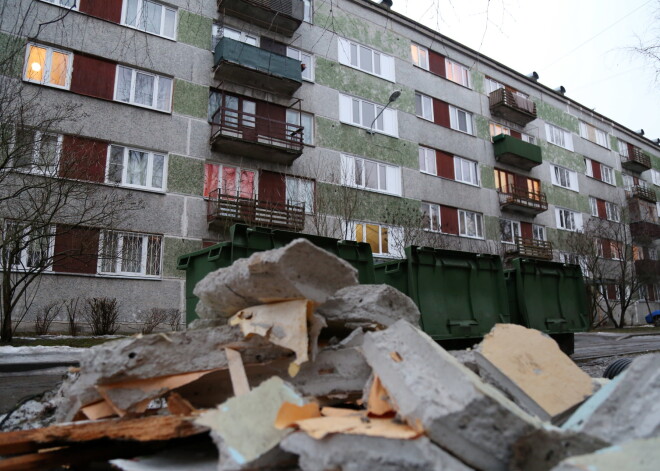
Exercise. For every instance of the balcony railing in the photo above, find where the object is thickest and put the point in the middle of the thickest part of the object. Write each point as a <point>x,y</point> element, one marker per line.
<point>512,107</point>
<point>648,270</point>
<point>250,135</point>
<point>636,160</point>
<point>642,192</point>
<point>280,16</point>
<point>532,248</point>
<point>645,231</point>
<point>254,67</point>
<point>223,209</point>
<point>519,153</point>
<point>521,199</point>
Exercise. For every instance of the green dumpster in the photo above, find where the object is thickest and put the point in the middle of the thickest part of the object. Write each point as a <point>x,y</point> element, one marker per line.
<point>460,295</point>
<point>245,240</point>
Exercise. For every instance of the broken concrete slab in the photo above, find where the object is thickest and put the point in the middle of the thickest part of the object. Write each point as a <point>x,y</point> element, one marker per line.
<point>297,270</point>
<point>246,424</point>
<point>531,368</point>
<point>638,455</point>
<point>372,307</point>
<point>626,408</point>
<point>433,392</point>
<point>359,453</point>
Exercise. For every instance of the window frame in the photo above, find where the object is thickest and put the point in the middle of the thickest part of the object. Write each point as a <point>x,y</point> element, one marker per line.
<point>478,224</point>
<point>552,132</point>
<point>426,158</point>
<point>24,254</point>
<point>538,229</point>
<point>151,155</point>
<point>422,100</point>
<point>221,185</point>
<point>585,129</point>
<point>515,229</point>
<point>416,51</point>
<point>428,217</point>
<point>463,71</point>
<point>612,212</point>
<point>309,63</point>
<point>561,220</point>
<point>593,206</point>
<point>392,252</point>
<point>34,167</point>
<point>131,101</point>
<point>349,165</point>
<point>58,3</point>
<point>48,66</point>
<point>308,14</point>
<point>454,121</point>
<point>390,114</point>
<point>474,170</point>
<point>571,176</point>
<point>139,18</point>
<point>308,131</point>
<point>309,209</point>
<point>118,259</point>
<point>380,66</point>
<point>489,82</point>
<point>605,169</point>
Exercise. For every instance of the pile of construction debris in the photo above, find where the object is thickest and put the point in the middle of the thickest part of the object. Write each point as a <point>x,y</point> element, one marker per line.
<point>296,366</point>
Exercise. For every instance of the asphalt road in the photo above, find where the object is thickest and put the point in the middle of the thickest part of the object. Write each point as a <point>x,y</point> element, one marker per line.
<point>601,345</point>
<point>16,386</point>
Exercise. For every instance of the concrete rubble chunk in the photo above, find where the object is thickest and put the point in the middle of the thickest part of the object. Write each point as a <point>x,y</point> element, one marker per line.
<point>531,368</point>
<point>361,453</point>
<point>637,455</point>
<point>626,408</point>
<point>297,270</point>
<point>432,391</point>
<point>372,307</point>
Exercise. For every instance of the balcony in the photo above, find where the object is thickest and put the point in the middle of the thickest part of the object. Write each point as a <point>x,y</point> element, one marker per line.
<point>648,270</point>
<point>531,248</point>
<point>281,16</point>
<point>249,135</point>
<point>522,200</point>
<point>224,210</point>
<point>636,160</point>
<point>257,68</point>
<point>644,231</point>
<point>516,152</point>
<point>512,107</point>
<point>642,192</point>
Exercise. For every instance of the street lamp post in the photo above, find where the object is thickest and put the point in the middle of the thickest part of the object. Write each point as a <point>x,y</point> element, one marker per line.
<point>392,99</point>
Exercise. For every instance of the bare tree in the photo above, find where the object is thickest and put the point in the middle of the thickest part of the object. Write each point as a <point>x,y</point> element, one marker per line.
<point>650,49</point>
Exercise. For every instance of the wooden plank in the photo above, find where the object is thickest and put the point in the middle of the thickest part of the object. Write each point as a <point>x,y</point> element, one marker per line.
<point>237,373</point>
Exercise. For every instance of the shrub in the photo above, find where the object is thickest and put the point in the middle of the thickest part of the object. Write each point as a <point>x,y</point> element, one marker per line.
<point>46,317</point>
<point>73,315</point>
<point>174,319</point>
<point>152,319</point>
<point>102,315</point>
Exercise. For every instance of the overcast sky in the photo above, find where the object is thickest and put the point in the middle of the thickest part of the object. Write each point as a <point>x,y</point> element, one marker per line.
<point>580,44</point>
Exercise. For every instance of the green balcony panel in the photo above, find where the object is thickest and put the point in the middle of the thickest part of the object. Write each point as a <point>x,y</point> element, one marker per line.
<point>512,151</point>
<point>280,16</point>
<point>254,67</point>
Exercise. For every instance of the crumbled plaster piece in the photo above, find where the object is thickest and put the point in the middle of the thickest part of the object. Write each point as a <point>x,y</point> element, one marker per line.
<point>434,393</point>
<point>297,270</point>
<point>532,369</point>
<point>638,455</point>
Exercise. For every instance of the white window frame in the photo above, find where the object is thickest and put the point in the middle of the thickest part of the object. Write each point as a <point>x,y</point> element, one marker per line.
<point>593,206</point>
<point>307,11</point>
<point>381,64</point>
<point>558,136</point>
<point>243,37</point>
<point>492,85</point>
<point>62,3</point>
<point>306,120</point>
<point>607,175</point>
<point>433,210</point>
<point>387,122</point>
<point>493,128</point>
<point>140,22</point>
<point>34,166</point>
<point>538,232</point>
<point>425,106</point>
<point>157,79</point>
<point>220,184</point>
<point>514,227</point>
<point>568,220</point>
<point>24,255</point>
<point>475,218</point>
<point>600,136</point>
<point>305,58</point>
<point>589,171</point>
<point>628,182</point>
<point>612,212</point>
<point>473,174</point>
<point>48,65</point>
<point>393,233</point>
<point>457,68</point>
<point>427,161</point>
<point>151,156</point>
<point>117,259</point>
<point>563,177</point>
<point>454,121</point>
<point>420,56</point>
<point>655,176</point>
<point>294,186</point>
<point>350,175</point>
<point>623,148</point>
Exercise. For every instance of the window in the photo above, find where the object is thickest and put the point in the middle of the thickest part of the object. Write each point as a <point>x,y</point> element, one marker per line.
<point>382,239</point>
<point>367,174</point>
<point>240,36</point>
<point>304,120</point>
<point>300,190</point>
<point>424,106</point>
<point>362,113</point>
<point>149,16</point>
<point>26,247</point>
<point>492,85</point>
<point>229,118</point>
<point>612,211</point>
<point>593,134</point>
<point>563,177</point>
<point>655,177</point>
<point>230,181</point>
<point>623,149</point>
<point>538,232</point>
<point>589,168</point>
<point>559,137</point>
<point>143,89</point>
<point>466,171</point>
<point>457,73</point>
<point>496,129</point>
<point>470,224</point>
<point>48,66</point>
<point>627,182</point>
<point>366,59</point>
<point>73,4</point>
<point>307,60</point>
<point>130,254</point>
<point>420,56</point>
<point>510,230</point>
<point>35,151</point>
<point>568,220</point>
<point>137,168</point>
<point>593,204</point>
<point>307,11</point>
<point>607,174</point>
<point>427,162</point>
<point>460,120</point>
<point>431,217</point>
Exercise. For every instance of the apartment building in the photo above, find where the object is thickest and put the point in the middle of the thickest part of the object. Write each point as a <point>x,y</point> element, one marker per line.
<point>341,118</point>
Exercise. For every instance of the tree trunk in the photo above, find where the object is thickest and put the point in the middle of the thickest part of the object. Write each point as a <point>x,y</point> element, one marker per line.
<point>6,333</point>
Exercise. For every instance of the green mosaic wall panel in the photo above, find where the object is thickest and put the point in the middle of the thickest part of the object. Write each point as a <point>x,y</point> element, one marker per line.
<point>194,29</point>
<point>477,79</point>
<point>483,129</point>
<point>12,54</point>
<point>556,116</point>
<point>619,178</point>
<point>566,198</point>
<point>173,248</point>
<point>492,228</point>
<point>190,99</point>
<point>563,157</point>
<point>614,143</point>
<point>185,175</point>
<point>487,177</point>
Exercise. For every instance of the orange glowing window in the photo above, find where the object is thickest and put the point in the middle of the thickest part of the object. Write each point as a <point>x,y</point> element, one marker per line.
<point>48,66</point>
<point>36,64</point>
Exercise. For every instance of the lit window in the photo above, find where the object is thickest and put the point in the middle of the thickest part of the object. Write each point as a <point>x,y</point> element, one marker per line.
<point>563,177</point>
<point>143,89</point>
<point>383,240</point>
<point>137,168</point>
<point>300,190</point>
<point>366,59</point>
<point>427,162</point>
<point>559,136</point>
<point>593,134</point>
<point>424,106</point>
<point>363,113</point>
<point>297,119</point>
<point>305,59</point>
<point>35,151</point>
<point>510,230</point>
<point>457,73</point>
<point>367,174</point>
<point>48,66</point>
<point>470,224</point>
<point>420,56</point>
<point>496,129</point>
<point>149,16</point>
<point>460,120</point>
<point>568,220</point>
<point>26,247</point>
<point>130,254</point>
<point>431,217</point>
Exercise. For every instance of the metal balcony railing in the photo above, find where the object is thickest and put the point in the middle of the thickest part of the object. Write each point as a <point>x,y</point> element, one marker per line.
<point>280,16</point>
<point>512,106</point>
<point>643,192</point>
<point>636,160</point>
<point>254,212</point>
<point>533,248</point>
<point>522,197</point>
